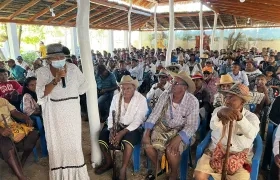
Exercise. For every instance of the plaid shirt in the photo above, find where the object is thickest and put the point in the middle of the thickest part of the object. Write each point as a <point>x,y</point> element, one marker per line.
<point>185,116</point>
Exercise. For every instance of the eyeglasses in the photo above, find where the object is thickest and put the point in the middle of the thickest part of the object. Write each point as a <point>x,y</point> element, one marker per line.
<point>174,83</point>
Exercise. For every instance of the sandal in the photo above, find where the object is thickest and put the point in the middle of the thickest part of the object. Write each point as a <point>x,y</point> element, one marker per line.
<point>151,176</point>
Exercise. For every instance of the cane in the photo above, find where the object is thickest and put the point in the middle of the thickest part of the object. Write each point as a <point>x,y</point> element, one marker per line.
<point>224,170</point>
<point>11,138</point>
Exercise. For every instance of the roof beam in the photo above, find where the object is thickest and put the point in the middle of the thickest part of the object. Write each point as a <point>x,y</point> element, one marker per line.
<point>133,19</point>
<point>150,25</point>
<point>159,23</point>
<point>193,22</point>
<point>104,16</point>
<point>41,13</point>
<point>123,8</point>
<point>180,23</point>
<point>207,22</point>
<point>90,16</point>
<point>221,21</point>
<point>235,21</point>
<point>185,14</point>
<point>5,3</point>
<point>24,8</point>
<point>112,19</point>
<point>62,13</point>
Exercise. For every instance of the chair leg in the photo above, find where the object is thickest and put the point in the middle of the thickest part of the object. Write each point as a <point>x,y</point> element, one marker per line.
<point>43,142</point>
<point>36,159</point>
<point>136,158</point>
<point>190,157</point>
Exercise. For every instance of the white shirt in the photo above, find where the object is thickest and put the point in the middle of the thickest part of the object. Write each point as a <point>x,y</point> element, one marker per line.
<point>243,135</point>
<point>155,93</point>
<point>133,115</point>
<point>276,142</point>
<point>24,65</point>
<point>240,77</point>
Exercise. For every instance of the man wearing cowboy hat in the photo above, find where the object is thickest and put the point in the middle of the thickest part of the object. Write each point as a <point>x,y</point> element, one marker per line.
<point>176,110</point>
<point>130,110</point>
<point>202,95</point>
<point>158,88</point>
<point>245,130</point>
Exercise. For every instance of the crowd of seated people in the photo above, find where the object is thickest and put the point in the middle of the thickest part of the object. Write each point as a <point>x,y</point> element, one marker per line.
<point>225,86</point>
<point>218,87</point>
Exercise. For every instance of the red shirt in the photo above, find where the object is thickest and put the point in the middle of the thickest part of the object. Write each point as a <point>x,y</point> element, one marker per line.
<point>9,86</point>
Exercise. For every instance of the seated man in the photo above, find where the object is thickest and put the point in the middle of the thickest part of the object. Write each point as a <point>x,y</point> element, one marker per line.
<point>22,141</point>
<point>106,85</point>
<point>9,89</point>
<point>176,113</point>
<point>202,96</point>
<point>276,164</point>
<point>238,75</point>
<point>17,72</point>
<point>158,88</point>
<point>245,130</point>
<point>121,70</point>
<point>130,108</point>
<point>210,82</point>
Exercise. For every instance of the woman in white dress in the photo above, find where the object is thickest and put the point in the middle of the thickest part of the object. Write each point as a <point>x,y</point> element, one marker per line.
<point>61,114</point>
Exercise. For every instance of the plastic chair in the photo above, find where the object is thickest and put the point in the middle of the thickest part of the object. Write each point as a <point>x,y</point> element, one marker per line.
<point>252,107</point>
<point>268,146</point>
<point>255,161</point>
<point>272,155</point>
<point>136,158</point>
<point>39,125</point>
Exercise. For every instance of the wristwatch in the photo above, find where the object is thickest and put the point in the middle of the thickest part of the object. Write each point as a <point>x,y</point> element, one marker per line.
<point>54,82</point>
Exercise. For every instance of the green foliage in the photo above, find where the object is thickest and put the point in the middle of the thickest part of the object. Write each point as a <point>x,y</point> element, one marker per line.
<point>3,32</point>
<point>32,34</point>
<point>30,56</point>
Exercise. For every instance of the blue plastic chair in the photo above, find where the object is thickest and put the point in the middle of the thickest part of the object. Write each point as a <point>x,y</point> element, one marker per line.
<point>252,107</point>
<point>255,161</point>
<point>272,155</point>
<point>268,146</point>
<point>136,158</point>
<point>39,125</point>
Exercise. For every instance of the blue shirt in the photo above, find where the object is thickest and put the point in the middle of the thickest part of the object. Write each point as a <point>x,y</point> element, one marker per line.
<point>107,82</point>
<point>18,73</point>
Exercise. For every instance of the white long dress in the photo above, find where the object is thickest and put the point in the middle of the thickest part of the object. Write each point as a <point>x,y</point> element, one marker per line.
<point>62,121</point>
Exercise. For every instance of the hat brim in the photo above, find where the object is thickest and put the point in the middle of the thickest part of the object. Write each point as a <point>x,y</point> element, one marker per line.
<point>133,82</point>
<point>197,78</point>
<point>246,98</point>
<point>188,80</point>
<point>217,84</point>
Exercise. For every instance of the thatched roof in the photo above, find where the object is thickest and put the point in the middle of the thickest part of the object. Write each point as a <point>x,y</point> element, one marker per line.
<point>112,15</point>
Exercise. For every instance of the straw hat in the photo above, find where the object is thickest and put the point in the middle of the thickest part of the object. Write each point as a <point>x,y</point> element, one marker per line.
<point>204,56</point>
<point>197,76</point>
<point>225,79</point>
<point>56,49</point>
<point>163,72</point>
<point>127,79</point>
<point>185,77</point>
<point>174,68</point>
<point>239,90</point>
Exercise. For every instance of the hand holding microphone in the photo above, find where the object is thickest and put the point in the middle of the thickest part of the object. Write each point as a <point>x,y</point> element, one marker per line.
<point>60,75</point>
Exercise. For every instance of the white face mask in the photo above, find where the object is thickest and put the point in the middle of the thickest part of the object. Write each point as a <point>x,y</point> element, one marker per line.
<point>59,64</point>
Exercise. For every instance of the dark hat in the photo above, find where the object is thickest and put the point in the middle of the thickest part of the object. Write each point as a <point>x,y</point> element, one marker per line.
<point>19,58</point>
<point>10,60</point>
<point>56,49</point>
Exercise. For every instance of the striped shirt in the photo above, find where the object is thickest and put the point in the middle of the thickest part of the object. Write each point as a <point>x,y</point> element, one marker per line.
<point>185,115</point>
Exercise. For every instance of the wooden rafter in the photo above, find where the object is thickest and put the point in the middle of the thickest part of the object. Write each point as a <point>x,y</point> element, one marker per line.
<point>159,23</point>
<point>207,22</point>
<point>104,16</point>
<point>193,22</point>
<point>150,25</point>
<point>90,16</point>
<point>185,14</point>
<point>133,19</point>
<point>221,21</point>
<point>180,23</point>
<point>41,13</point>
<point>24,8</point>
<point>62,13</point>
<point>111,19</point>
<point>235,21</point>
<point>120,20</point>
<point>5,3</point>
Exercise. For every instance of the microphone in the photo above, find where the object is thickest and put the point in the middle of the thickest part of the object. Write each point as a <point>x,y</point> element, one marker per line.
<point>63,81</point>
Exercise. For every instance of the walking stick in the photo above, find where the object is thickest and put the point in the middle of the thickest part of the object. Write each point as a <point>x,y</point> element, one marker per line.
<point>114,148</point>
<point>11,138</point>
<point>224,170</point>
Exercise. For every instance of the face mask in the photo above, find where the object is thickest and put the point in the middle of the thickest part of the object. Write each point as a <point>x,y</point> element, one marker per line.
<point>58,64</point>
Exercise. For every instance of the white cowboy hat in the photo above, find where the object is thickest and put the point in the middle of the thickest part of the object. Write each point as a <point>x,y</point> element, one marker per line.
<point>127,79</point>
<point>185,77</point>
